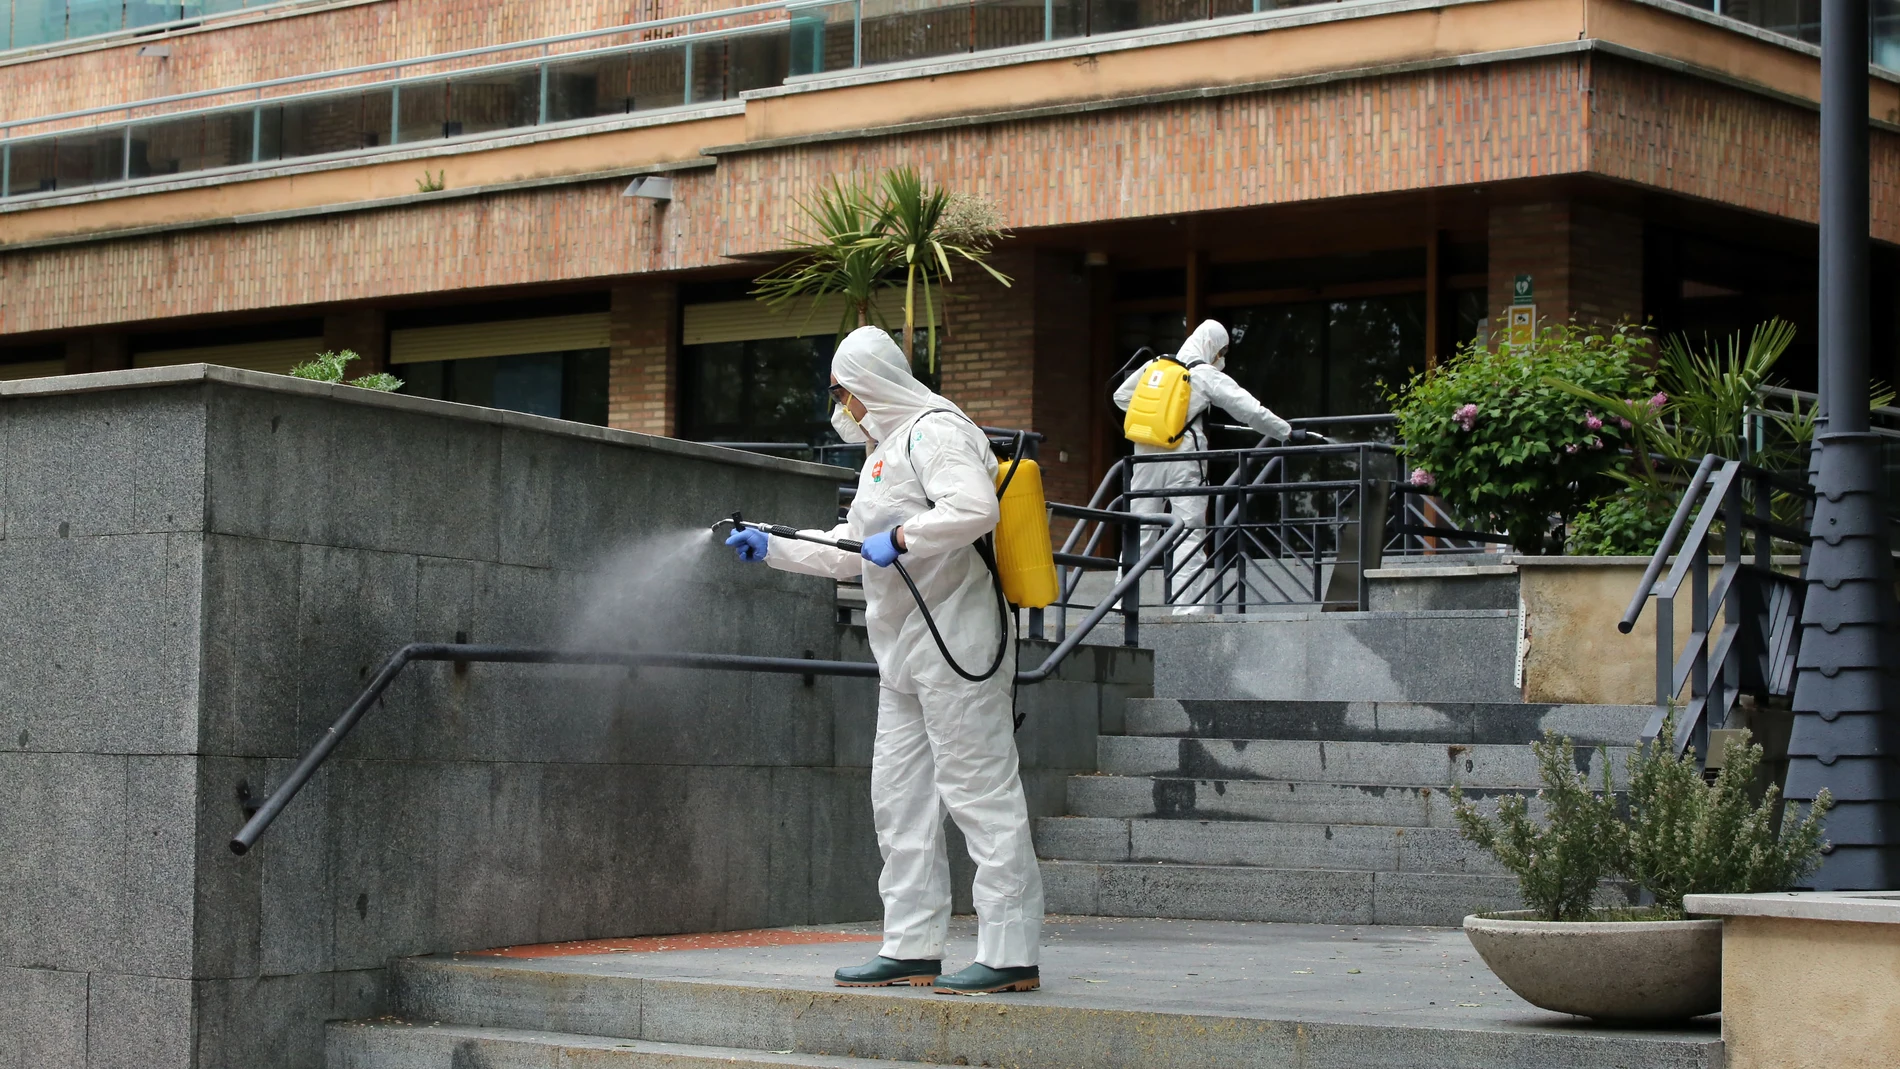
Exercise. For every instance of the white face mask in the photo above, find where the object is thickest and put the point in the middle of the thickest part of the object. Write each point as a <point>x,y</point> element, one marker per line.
<point>847,425</point>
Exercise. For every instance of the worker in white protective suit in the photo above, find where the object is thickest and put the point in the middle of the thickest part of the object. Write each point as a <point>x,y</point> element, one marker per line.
<point>1205,353</point>
<point>926,494</point>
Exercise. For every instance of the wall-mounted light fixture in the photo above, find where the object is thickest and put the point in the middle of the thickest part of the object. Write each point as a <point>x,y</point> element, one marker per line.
<point>652,186</point>
<point>156,51</point>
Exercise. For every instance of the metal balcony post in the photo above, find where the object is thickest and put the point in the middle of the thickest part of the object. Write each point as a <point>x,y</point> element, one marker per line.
<point>542,118</point>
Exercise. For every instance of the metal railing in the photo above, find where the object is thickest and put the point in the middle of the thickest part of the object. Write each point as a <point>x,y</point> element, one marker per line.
<point>654,65</point>
<point>1290,526</point>
<point>1754,651</point>
<point>1125,595</point>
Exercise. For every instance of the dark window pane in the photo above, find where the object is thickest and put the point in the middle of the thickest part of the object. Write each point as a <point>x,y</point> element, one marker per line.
<point>658,78</point>
<point>709,71</point>
<point>1071,17</point>
<point>31,167</point>
<point>1002,23</point>
<point>472,382</point>
<point>422,111</point>
<point>1372,343</point>
<point>1277,353</point>
<point>87,159</point>
<point>197,143</point>
<point>1161,331</point>
<point>822,38</point>
<point>343,123</point>
<point>427,379</point>
<point>771,390</point>
<point>587,88</point>
<point>584,387</point>
<point>894,31</point>
<point>499,100</point>
<point>529,384</point>
<point>757,60</point>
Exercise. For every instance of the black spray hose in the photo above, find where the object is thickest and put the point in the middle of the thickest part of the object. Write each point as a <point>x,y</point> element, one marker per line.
<point>852,545</point>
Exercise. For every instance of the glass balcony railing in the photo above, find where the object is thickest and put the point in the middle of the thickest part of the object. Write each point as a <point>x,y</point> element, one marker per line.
<point>670,63</point>
<point>25,23</point>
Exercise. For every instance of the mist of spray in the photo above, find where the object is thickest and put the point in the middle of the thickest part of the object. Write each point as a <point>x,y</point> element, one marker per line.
<point>640,594</point>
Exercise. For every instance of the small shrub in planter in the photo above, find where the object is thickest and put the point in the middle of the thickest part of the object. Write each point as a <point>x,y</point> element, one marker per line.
<point>1679,834</point>
<point>1560,862</point>
<point>1495,435</point>
<point>1688,836</point>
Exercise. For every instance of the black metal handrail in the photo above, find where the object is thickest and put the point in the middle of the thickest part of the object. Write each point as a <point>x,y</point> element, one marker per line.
<point>1755,650</point>
<point>1127,590</point>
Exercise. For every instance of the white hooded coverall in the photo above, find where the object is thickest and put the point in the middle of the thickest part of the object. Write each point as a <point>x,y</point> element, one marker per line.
<point>1205,354</point>
<point>942,742</point>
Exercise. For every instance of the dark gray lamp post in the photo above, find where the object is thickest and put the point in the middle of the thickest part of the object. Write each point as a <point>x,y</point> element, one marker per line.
<point>1847,694</point>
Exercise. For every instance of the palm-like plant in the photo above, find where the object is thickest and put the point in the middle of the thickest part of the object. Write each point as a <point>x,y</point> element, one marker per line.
<point>840,250</point>
<point>857,241</point>
<point>921,244</point>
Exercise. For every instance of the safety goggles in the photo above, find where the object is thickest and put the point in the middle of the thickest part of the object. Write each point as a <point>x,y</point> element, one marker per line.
<point>838,392</point>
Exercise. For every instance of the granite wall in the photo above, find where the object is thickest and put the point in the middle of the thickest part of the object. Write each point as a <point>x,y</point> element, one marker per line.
<point>199,569</point>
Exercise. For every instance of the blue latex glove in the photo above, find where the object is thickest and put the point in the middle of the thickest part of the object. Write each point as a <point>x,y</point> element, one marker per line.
<point>748,543</point>
<point>881,550</point>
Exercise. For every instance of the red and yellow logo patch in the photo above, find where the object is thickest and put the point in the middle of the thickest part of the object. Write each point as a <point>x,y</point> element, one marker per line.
<point>877,472</point>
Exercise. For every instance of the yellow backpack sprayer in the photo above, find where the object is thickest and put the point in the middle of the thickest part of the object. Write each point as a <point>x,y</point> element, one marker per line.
<point>1021,561</point>
<point>1158,412</point>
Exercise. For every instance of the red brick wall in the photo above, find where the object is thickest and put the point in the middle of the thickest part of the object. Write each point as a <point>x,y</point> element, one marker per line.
<point>643,358</point>
<point>1484,124</point>
<point>1584,260</point>
<point>1018,357</point>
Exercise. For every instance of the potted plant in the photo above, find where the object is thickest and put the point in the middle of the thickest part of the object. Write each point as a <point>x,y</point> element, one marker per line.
<point>1576,950</point>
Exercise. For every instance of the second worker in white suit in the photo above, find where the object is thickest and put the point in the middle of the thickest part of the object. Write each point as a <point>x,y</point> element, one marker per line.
<point>1205,354</point>
<point>927,494</point>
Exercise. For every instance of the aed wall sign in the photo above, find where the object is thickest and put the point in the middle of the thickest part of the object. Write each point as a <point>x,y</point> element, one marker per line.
<point>1521,326</point>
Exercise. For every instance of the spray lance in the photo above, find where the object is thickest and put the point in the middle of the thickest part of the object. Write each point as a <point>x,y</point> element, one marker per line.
<point>852,545</point>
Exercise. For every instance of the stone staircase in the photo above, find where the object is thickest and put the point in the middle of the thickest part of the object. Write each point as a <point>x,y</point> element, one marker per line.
<point>1306,811</point>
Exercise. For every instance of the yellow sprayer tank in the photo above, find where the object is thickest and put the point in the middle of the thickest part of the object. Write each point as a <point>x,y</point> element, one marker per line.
<point>1024,557</point>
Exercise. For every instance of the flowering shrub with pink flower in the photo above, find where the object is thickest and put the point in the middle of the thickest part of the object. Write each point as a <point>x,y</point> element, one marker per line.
<point>1510,451</point>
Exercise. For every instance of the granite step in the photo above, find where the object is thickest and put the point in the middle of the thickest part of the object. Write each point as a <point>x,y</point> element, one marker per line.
<point>413,1045</point>
<point>1282,895</point>
<point>1298,802</point>
<point>1358,847</point>
<point>1117,994</point>
<point>1443,723</point>
<point>1392,763</point>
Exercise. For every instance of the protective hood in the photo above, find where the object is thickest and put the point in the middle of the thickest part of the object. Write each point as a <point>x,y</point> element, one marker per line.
<point>1205,345</point>
<point>872,367</point>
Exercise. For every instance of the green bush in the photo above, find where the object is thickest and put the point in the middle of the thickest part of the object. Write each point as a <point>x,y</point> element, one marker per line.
<point>1630,523</point>
<point>1677,835</point>
<point>1688,836</point>
<point>1560,862</point>
<point>328,367</point>
<point>1506,446</point>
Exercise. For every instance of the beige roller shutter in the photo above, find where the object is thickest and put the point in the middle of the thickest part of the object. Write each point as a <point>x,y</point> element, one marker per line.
<point>31,369</point>
<point>276,357</point>
<point>722,321</point>
<point>508,337</point>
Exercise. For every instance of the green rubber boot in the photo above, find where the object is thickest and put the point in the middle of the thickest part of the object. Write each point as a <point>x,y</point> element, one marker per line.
<point>889,972</point>
<point>980,979</point>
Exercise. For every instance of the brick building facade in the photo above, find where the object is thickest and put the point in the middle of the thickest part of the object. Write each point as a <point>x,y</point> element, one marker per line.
<point>1403,163</point>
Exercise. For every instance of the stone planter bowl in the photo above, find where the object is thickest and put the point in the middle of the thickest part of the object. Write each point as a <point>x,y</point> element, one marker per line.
<point>1625,972</point>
